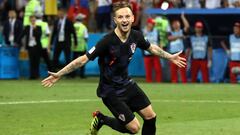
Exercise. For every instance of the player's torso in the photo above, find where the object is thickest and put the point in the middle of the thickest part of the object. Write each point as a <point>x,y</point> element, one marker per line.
<point>118,54</point>
<point>114,65</point>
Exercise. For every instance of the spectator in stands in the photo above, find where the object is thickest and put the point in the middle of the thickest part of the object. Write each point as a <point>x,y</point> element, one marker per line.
<point>146,4</point>
<point>152,63</point>
<point>192,3</point>
<point>63,32</point>
<point>137,12</point>
<point>103,14</point>
<point>171,3</point>
<point>76,7</point>
<point>231,3</point>
<point>176,38</point>
<point>45,53</point>
<point>158,3</point>
<point>212,4</point>
<point>12,29</point>
<point>82,36</point>
<point>234,52</point>
<point>201,51</point>
<point>33,35</point>
<point>73,10</point>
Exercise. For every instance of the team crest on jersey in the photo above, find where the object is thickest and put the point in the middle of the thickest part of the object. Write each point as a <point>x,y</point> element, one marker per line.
<point>122,117</point>
<point>133,47</point>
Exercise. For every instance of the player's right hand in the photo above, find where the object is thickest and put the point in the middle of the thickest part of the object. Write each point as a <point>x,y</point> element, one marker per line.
<point>51,79</point>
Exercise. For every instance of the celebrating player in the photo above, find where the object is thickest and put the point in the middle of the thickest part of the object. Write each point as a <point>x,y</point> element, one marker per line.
<point>121,95</point>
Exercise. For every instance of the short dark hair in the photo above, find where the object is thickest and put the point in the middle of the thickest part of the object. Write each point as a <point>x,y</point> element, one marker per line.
<point>119,5</point>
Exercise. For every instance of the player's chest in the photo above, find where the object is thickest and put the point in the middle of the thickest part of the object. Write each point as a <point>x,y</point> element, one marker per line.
<point>122,49</point>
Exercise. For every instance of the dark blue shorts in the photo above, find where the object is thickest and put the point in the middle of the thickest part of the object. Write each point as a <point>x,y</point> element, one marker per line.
<point>124,106</point>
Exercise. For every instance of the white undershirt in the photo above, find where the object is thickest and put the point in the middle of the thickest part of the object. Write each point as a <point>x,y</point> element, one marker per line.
<point>32,40</point>
<point>11,35</point>
<point>61,37</point>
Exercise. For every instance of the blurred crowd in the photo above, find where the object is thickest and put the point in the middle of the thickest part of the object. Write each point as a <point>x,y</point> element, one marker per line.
<point>209,4</point>
<point>27,25</point>
<point>98,13</point>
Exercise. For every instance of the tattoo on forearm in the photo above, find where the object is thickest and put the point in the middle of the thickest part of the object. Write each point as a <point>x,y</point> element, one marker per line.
<point>162,53</point>
<point>70,67</point>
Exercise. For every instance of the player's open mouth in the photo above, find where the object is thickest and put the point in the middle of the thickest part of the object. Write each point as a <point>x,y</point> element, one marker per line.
<point>125,26</point>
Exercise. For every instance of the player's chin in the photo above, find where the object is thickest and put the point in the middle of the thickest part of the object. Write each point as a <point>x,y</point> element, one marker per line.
<point>126,29</point>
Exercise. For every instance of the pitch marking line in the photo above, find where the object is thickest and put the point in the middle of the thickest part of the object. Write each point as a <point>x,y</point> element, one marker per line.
<point>97,100</point>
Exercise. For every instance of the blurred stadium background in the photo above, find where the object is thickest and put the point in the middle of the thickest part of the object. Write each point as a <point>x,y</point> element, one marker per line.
<point>65,109</point>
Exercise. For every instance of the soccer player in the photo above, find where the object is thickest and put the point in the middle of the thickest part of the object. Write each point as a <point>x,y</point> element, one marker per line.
<point>118,91</point>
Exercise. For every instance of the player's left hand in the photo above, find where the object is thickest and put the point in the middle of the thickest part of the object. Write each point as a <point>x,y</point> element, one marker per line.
<point>51,79</point>
<point>179,61</point>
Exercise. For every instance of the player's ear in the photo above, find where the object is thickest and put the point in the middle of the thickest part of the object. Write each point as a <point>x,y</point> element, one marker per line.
<point>114,19</point>
<point>132,19</point>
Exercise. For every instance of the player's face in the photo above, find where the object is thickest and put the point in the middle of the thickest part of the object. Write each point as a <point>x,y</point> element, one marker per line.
<point>124,19</point>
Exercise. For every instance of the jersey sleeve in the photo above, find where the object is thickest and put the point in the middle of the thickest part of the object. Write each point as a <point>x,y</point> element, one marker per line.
<point>97,50</point>
<point>142,42</point>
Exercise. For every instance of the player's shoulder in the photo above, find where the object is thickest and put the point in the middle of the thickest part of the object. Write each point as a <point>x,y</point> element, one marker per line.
<point>108,36</point>
<point>107,39</point>
<point>135,32</point>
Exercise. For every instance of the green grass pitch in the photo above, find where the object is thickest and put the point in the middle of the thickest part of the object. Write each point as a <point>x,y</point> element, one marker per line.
<point>26,108</point>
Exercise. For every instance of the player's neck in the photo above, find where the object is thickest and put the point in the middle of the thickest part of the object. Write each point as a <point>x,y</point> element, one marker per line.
<point>123,36</point>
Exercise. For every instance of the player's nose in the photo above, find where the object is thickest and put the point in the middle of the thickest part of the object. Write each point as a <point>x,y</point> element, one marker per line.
<point>124,19</point>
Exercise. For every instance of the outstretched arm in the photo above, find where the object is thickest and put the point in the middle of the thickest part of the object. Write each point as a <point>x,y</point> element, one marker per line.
<point>54,77</point>
<point>185,23</point>
<point>175,58</point>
